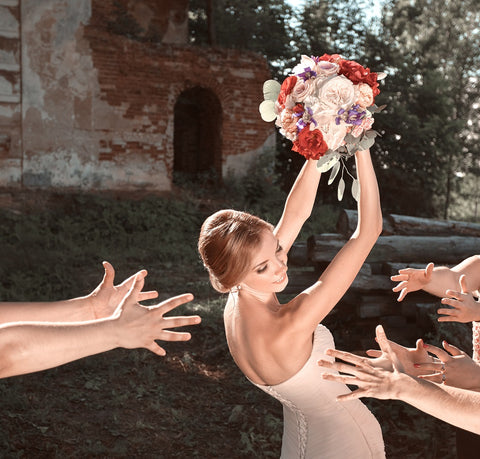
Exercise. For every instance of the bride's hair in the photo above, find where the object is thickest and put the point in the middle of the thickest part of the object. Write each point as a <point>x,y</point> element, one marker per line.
<point>226,244</point>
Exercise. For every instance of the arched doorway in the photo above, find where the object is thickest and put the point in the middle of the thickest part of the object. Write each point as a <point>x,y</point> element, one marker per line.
<point>197,138</point>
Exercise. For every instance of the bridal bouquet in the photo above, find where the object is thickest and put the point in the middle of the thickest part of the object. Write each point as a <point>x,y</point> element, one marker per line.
<point>326,109</point>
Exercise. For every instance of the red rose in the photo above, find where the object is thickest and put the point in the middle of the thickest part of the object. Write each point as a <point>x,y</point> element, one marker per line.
<point>286,88</point>
<point>358,74</point>
<point>298,109</point>
<point>332,58</point>
<point>310,144</point>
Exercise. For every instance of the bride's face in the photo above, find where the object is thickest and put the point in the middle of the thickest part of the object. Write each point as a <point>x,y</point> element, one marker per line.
<point>268,272</point>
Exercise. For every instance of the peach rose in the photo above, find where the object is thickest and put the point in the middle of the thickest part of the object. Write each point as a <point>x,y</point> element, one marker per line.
<point>288,124</point>
<point>364,95</point>
<point>367,123</point>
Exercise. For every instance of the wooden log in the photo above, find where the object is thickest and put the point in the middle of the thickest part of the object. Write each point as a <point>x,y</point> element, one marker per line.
<point>347,222</point>
<point>391,269</point>
<point>298,254</point>
<point>401,249</point>
<point>300,280</point>
<point>365,283</point>
<point>406,225</point>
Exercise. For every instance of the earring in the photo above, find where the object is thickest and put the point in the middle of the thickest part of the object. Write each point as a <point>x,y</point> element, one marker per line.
<point>236,289</point>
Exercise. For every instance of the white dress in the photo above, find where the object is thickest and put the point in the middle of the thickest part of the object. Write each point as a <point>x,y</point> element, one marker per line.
<point>315,424</point>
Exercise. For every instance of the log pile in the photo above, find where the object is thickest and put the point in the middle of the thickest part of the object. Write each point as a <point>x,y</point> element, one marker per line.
<point>405,242</point>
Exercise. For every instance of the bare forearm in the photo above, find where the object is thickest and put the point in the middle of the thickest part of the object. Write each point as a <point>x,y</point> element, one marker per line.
<point>369,210</point>
<point>302,195</point>
<point>74,310</point>
<point>30,347</point>
<point>458,407</point>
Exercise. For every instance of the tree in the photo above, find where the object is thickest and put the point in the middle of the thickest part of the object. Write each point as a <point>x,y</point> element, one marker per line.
<point>432,54</point>
<point>262,26</point>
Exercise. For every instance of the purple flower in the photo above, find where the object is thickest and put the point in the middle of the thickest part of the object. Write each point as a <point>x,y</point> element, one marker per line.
<point>305,118</point>
<point>307,74</point>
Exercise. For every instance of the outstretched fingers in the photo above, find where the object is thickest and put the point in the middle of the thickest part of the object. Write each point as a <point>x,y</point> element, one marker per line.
<point>168,335</point>
<point>173,302</point>
<point>348,357</point>
<point>109,275</point>
<point>150,295</point>
<point>440,353</point>
<point>452,349</point>
<point>156,349</point>
<point>180,321</point>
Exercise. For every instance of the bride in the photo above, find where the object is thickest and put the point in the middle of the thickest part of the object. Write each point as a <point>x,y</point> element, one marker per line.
<point>277,345</point>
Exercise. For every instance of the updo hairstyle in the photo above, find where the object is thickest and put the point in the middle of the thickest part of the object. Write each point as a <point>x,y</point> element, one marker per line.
<point>226,244</point>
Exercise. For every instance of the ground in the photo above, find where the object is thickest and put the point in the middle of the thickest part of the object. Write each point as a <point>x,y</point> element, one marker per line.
<point>193,402</point>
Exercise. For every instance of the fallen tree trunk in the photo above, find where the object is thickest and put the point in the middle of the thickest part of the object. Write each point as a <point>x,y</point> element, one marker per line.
<point>407,225</point>
<point>401,249</point>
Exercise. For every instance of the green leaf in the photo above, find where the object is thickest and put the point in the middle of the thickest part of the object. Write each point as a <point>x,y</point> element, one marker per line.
<point>327,161</point>
<point>267,110</point>
<point>356,190</point>
<point>334,172</point>
<point>341,189</point>
<point>366,143</point>
<point>271,90</point>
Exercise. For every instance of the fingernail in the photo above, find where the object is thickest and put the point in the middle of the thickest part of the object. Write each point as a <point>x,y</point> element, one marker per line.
<point>425,345</point>
<point>445,343</point>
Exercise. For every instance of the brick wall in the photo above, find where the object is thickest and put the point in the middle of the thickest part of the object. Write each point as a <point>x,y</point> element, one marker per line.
<point>10,93</point>
<point>101,79</point>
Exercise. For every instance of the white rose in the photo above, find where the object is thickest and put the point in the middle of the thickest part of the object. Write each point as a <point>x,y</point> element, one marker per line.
<point>325,69</point>
<point>336,93</point>
<point>333,134</point>
<point>305,62</point>
<point>302,89</point>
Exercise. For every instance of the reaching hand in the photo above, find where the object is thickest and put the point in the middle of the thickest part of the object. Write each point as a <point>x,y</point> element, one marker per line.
<point>411,280</point>
<point>408,357</point>
<point>464,306</point>
<point>371,381</point>
<point>453,368</point>
<point>104,300</point>
<point>139,326</point>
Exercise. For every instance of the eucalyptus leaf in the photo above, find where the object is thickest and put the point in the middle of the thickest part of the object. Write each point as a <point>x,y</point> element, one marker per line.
<point>267,110</point>
<point>371,134</point>
<point>356,190</point>
<point>271,90</point>
<point>366,143</point>
<point>349,138</point>
<point>327,161</point>
<point>334,172</point>
<point>353,147</point>
<point>341,188</point>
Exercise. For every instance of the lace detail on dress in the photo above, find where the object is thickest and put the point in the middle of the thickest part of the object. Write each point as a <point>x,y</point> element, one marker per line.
<point>476,341</point>
<point>302,427</point>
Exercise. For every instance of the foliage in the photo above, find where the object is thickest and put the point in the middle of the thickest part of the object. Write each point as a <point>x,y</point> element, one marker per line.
<point>427,159</point>
<point>261,26</point>
<point>334,28</point>
<point>431,97</point>
<point>131,403</point>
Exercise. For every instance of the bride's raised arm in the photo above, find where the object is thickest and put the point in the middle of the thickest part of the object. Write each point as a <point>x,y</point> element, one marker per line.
<point>313,304</point>
<point>299,204</point>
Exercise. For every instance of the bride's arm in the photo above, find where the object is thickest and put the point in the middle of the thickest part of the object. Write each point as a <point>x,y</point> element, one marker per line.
<point>312,305</point>
<point>299,204</point>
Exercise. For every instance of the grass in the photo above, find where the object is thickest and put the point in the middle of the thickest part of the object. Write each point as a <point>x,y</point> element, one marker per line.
<point>192,403</point>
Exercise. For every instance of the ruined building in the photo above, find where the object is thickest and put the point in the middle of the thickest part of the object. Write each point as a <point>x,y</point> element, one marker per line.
<point>108,94</point>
